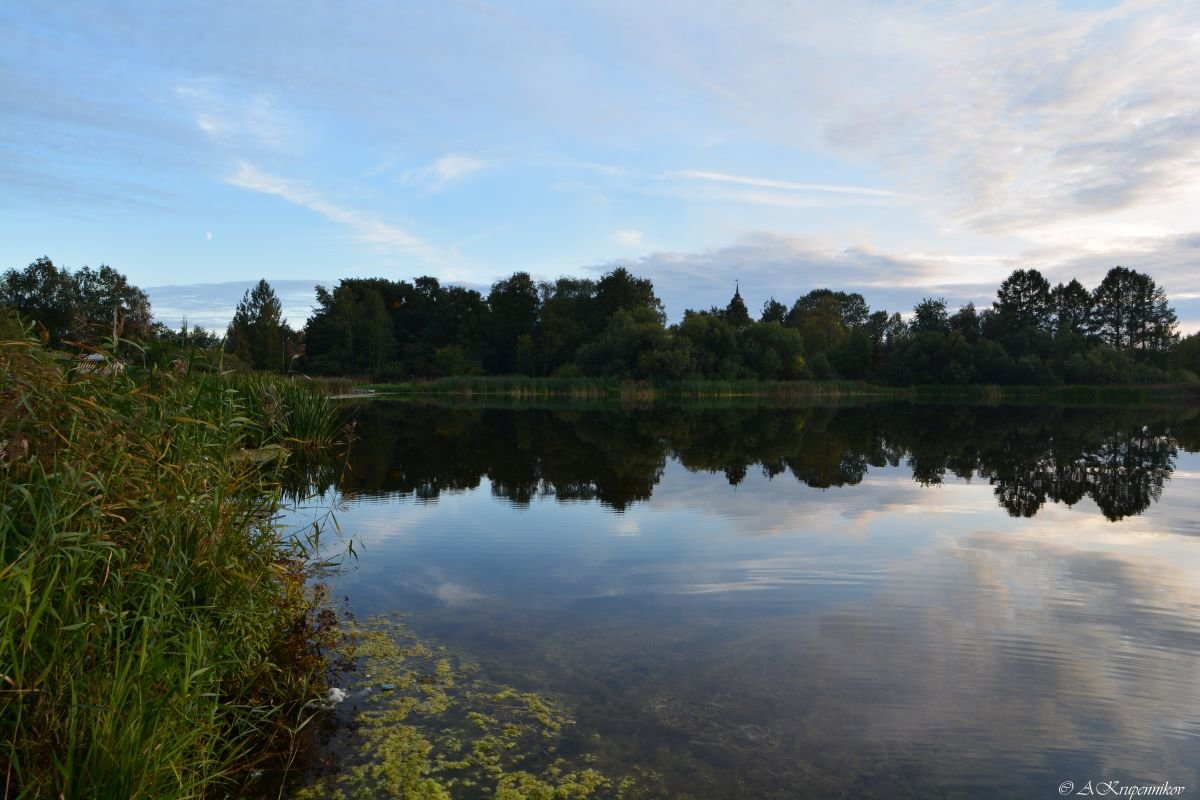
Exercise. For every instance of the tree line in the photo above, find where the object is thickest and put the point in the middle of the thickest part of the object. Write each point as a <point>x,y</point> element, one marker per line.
<point>1121,331</point>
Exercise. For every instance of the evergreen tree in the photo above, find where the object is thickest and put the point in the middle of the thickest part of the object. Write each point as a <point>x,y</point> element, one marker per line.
<point>257,333</point>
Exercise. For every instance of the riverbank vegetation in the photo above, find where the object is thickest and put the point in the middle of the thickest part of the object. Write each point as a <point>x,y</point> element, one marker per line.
<point>157,635</point>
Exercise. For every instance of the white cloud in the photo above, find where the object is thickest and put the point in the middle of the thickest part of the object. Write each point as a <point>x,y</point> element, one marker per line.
<point>253,121</point>
<point>628,238</point>
<point>367,228</point>
<point>447,169</point>
<point>211,305</point>
<point>791,186</point>
<point>770,264</point>
<point>1003,117</point>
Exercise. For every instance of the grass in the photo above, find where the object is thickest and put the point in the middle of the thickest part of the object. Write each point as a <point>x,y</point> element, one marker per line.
<point>518,386</point>
<point>525,388</point>
<point>157,634</point>
<point>1062,394</point>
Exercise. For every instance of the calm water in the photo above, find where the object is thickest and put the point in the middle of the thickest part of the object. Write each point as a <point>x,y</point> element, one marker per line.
<point>881,601</point>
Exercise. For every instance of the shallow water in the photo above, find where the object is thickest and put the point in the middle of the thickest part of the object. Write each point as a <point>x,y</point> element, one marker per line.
<point>870,601</point>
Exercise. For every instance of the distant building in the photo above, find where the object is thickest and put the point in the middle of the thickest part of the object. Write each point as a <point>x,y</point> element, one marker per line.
<point>100,364</point>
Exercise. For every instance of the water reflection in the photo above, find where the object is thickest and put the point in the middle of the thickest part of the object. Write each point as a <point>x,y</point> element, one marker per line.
<point>1118,458</point>
<point>862,602</point>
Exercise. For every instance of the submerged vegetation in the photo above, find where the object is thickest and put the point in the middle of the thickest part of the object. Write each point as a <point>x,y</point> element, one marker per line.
<point>428,726</point>
<point>157,634</point>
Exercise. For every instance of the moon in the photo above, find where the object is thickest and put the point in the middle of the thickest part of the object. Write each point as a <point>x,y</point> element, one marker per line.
<point>208,236</point>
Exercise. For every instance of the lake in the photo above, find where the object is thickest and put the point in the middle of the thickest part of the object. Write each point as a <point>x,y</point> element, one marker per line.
<point>872,600</point>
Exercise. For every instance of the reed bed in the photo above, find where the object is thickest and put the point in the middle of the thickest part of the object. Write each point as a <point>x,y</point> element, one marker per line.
<point>158,637</point>
<point>519,386</point>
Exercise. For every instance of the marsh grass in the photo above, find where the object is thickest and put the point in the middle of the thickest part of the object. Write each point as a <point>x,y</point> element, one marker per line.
<point>157,634</point>
<point>518,386</point>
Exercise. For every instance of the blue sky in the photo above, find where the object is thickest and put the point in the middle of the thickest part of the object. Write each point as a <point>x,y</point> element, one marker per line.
<point>899,150</point>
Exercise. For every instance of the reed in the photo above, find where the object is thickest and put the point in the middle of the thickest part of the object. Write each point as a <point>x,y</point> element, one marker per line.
<point>157,636</point>
<point>597,388</point>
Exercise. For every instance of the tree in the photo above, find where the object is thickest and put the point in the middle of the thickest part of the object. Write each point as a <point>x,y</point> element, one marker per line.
<point>1131,313</point>
<point>43,294</point>
<point>930,316</point>
<point>714,344</point>
<point>567,320</point>
<point>633,345</point>
<point>1023,301</point>
<point>515,306</point>
<point>106,303</point>
<point>619,290</point>
<point>1072,308</point>
<point>1022,316</point>
<point>773,311</point>
<point>257,333</point>
<point>1186,354</point>
<point>772,351</point>
<point>87,306</point>
<point>966,322</point>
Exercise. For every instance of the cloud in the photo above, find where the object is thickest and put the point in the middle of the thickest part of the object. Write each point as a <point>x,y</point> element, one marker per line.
<point>446,170</point>
<point>628,238</point>
<point>771,264</point>
<point>1003,116</point>
<point>367,228</point>
<point>785,267</point>
<point>246,121</point>
<point>791,186</point>
<point>211,305</point>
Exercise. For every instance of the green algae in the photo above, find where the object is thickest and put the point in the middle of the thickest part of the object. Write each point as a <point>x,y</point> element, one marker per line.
<point>426,724</point>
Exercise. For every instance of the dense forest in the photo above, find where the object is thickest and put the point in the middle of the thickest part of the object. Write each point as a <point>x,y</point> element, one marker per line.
<point>1121,331</point>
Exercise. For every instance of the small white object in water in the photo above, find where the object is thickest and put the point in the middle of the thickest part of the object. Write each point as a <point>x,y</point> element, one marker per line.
<point>335,696</point>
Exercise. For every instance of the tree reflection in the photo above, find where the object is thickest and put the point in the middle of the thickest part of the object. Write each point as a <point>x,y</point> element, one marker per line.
<point>1119,458</point>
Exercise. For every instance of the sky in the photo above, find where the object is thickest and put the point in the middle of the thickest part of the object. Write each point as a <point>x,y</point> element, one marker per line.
<point>901,150</point>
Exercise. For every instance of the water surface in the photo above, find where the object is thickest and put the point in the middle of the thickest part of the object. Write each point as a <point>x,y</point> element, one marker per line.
<point>870,601</point>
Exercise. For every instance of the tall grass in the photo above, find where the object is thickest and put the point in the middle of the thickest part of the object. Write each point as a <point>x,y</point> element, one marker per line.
<point>157,638</point>
<point>520,386</point>
<point>292,411</point>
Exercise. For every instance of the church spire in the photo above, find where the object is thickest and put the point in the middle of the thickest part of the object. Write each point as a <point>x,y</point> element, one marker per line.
<point>736,311</point>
